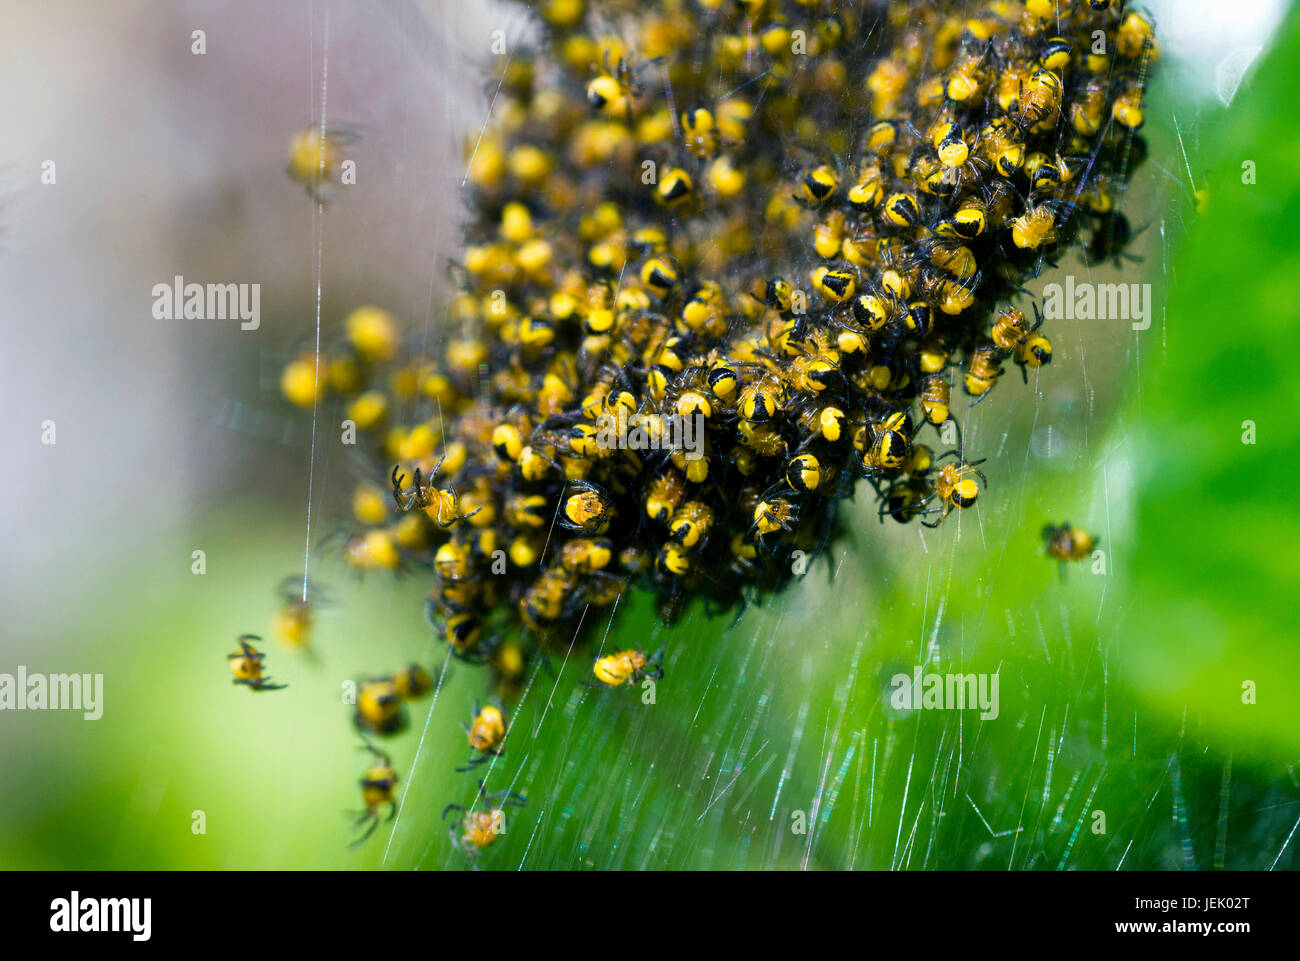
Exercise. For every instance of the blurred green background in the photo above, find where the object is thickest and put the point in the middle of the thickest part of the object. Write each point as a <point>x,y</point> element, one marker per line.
<point>1120,692</point>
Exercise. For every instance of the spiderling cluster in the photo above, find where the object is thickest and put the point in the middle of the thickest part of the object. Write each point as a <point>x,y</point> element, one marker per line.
<point>723,261</point>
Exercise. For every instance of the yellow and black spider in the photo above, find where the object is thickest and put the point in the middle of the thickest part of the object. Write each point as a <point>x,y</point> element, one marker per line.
<point>246,665</point>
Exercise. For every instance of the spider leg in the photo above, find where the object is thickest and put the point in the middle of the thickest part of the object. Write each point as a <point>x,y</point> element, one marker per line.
<point>472,764</point>
<point>362,817</point>
<point>465,517</point>
<point>397,479</point>
<point>374,823</point>
<point>936,523</point>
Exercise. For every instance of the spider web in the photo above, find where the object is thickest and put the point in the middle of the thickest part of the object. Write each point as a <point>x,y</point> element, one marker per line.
<point>772,741</point>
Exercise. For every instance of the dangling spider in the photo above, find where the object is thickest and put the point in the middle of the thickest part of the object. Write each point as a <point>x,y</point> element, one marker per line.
<point>378,785</point>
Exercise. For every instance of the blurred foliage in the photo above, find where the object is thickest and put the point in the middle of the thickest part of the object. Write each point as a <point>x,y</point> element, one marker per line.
<point>1212,594</point>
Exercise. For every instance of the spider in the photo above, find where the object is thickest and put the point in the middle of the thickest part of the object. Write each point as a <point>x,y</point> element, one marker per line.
<point>486,734</point>
<point>377,786</point>
<point>438,503</point>
<point>246,665</point>
<point>480,829</point>
<point>955,486</point>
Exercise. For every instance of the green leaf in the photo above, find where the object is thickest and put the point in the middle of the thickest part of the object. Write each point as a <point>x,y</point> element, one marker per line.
<point>1213,595</point>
